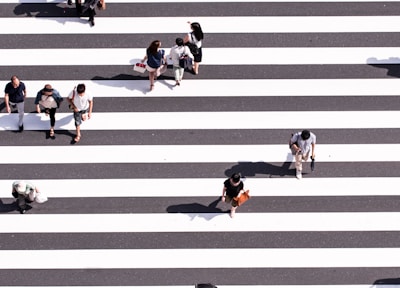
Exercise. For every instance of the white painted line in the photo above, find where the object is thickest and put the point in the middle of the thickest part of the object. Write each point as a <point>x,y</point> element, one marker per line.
<point>199,222</point>
<point>178,25</point>
<point>232,286</point>
<point>199,258</point>
<point>225,88</point>
<point>213,56</point>
<point>210,120</point>
<point>189,1</point>
<point>212,187</point>
<point>193,153</point>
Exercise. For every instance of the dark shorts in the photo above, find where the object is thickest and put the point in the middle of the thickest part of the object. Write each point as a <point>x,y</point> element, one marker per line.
<point>198,57</point>
<point>230,200</point>
<point>78,117</point>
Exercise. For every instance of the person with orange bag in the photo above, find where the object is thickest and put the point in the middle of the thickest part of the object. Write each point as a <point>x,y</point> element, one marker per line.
<point>233,187</point>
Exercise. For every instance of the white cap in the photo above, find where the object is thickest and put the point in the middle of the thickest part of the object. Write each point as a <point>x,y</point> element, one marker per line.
<point>20,186</point>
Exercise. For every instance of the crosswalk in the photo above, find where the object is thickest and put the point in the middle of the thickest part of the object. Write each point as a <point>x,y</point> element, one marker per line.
<point>136,202</point>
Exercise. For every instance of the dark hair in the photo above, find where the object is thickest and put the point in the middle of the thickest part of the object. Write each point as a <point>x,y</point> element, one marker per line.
<point>80,88</point>
<point>14,77</point>
<point>305,134</point>
<point>235,177</point>
<point>153,48</point>
<point>198,33</point>
<point>47,88</point>
<point>179,41</point>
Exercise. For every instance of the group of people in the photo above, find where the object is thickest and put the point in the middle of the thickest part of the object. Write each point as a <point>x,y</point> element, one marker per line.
<point>302,145</point>
<point>157,59</point>
<point>48,100</point>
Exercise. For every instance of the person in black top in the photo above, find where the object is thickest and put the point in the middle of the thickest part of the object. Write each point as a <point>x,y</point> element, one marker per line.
<point>14,96</point>
<point>195,37</point>
<point>233,186</point>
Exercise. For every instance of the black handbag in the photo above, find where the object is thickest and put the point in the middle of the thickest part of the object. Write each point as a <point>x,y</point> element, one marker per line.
<point>185,62</point>
<point>193,47</point>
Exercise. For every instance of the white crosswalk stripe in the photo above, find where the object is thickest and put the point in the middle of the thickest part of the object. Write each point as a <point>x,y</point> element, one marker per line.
<point>232,88</point>
<point>201,222</point>
<point>189,258</point>
<point>241,24</point>
<point>136,202</point>
<point>216,120</point>
<point>196,153</point>
<point>152,187</point>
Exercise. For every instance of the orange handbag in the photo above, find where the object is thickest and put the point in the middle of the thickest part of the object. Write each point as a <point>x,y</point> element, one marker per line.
<point>243,197</point>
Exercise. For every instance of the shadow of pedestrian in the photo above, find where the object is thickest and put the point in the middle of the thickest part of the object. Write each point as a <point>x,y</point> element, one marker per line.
<point>8,207</point>
<point>49,10</point>
<point>387,283</point>
<point>194,210</point>
<point>141,86</point>
<point>247,169</point>
<point>392,65</point>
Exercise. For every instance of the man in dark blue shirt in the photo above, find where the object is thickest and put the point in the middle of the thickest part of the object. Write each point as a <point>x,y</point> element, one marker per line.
<point>15,94</point>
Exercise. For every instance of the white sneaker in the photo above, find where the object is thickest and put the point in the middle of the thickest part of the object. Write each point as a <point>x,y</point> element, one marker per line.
<point>298,175</point>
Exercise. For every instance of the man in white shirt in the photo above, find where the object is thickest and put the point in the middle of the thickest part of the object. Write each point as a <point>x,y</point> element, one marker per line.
<point>301,144</point>
<point>82,105</point>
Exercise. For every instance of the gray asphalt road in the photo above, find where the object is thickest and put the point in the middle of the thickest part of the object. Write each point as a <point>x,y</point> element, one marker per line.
<point>275,204</point>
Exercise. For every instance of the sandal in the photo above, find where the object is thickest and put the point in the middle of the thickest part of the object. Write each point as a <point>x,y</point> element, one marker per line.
<point>51,132</point>
<point>151,87</point>
<point>77,138</point>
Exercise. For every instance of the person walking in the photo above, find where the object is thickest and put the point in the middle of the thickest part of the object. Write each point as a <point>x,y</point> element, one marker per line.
<point>156,61</point>
<point>90,7</point>
<point>178,52</point>
<point>82,105</point>
<point>195,37</point>
<point>301,144</point>
<point>78,6</point>
<point>233,187</point>
<point>49,100</point>
<point>24,192</point>
<point>14,97</point>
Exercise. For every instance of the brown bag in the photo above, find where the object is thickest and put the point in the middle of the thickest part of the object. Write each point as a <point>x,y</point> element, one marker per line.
<point>243,197</point>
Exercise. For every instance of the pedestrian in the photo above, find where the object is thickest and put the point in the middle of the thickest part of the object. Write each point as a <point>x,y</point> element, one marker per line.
<point>195,37</point>
<point>301,144</point>
<point>233,186</point>
<point>24,192</point>
<point>178,52</point>
<point>156,61</point>
<point>49,100</point>
<point>82,105</point>
<point>78,6</point>
<point>14,97</point>
<point>90,6</point>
